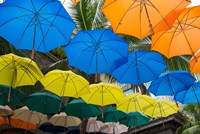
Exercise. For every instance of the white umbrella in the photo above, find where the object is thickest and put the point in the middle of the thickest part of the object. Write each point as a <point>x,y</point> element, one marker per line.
<point>93,125</point>
<point>63,120</point>
<point>5,111</point>
<point>30,116</point>
<point>114,128</point>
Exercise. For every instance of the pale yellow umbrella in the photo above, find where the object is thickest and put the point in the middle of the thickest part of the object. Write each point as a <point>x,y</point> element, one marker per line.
<point>65,83</point>
<point>135,103</point>
<point>161,108</point>
<point>5,111</point>
<point>114,128</point>
<point>63,120</point>
<point>30,116</point>
<point>93,125</point>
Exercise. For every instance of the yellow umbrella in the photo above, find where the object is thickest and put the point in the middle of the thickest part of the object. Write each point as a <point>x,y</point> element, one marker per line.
<point>161,108</point>
<point>135,103</point>
<point>104,94</point>
<point>63,120</point>
<point>18,71</point>
<point>65,83</point>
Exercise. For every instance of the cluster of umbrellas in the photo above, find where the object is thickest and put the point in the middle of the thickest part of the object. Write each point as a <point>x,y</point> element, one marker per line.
<point>45,25</point>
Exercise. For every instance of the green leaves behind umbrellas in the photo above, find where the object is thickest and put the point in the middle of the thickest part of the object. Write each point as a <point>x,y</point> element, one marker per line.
<point>16,96</point>
<point>110,114</point>
<point>135,119</point>
<point>81,109</point>
<point>44,102</point>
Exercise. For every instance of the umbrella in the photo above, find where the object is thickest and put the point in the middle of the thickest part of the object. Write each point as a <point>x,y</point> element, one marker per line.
<point>190,95</point>
<point>114,128</point>
<point>18,71</point>
<point>45,103</point>
<point>30,116</point>
<point>171,82</point>
<point>141,18</point>
<point>50,128</point>
<point>161,108</point>
<point>65,83</point>
<point>79,108</point>
<point>17,123</point>
<point>16,96</point>
<point>5,111</point>
<point>75,1</point>
<point>182,38</point>
<point>39,25</point>
<point>135,119</point>
<point>93,125</point>
<point>195,63</point>
<point>110,114</point>
<point>63,120</point>
<point>2,121</point>
<point>94,51</point>
<point>135,103</point>
<point>103,94</point>
<point>141,67</point>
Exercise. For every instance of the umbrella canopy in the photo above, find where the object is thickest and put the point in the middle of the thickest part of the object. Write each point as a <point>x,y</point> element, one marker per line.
<point>190,95</point>
<point>142,18</point>
<point>182,38</point>
<point>2,121</point>
<point>18,71</point>
<point>195,63</point>
<point>5,111</point>
<point>141,67</point>
<point>103,94</point>
<point>63,120</point>
<point>135,103</point>
<point>79,108</point>
<point>135,119</point>
<point>17,123</point>
<point>45,103</point>
<point>114,128</point>
<point>47,127</point>
<point>94,51</point>
<point>161,108</point>
<point>39,25</point>
<point>16,96</point>
<point>30,116</point>
<point>65,83</point>
<point>110,114</point>
<point>171,82</point>
<point>93,125</point>
<point>75,1</point>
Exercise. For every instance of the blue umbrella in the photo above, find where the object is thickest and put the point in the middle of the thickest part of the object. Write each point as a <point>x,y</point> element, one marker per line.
<point>171,82</point>
<point>141,67</point>
<point>39,25</point>
<point>191,95</point>
<point>94,51</point>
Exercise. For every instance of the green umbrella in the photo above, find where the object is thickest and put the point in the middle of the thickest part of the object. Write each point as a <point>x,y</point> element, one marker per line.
<point>81,109</point>
<point>110,114</point>
<point>44,102</point>
<point>135,119</point>
<point>16,96</point>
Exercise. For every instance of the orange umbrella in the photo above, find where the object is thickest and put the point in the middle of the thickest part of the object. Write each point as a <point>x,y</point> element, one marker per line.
<point>75,1</point>
<point>182,38</point>
<point>195,63</point>
<point>141,18</point>
<point>2,121</point>
<point>17,123</point>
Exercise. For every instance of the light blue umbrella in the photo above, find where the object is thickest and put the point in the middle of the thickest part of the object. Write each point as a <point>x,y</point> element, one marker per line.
<point>141,67</point>
<point>191,95</point>
<point>39,25</point>
<point>94,51</point>
<point>171,82</point>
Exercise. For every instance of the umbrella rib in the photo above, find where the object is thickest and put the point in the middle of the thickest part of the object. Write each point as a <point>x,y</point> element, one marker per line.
<point>15,6</point>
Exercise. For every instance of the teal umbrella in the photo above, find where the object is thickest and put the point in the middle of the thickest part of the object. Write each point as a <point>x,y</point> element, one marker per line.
<point>110,114</point>
<point>135,119</point>
<point>81,109</point>
<point>44,102</point>
<point>16,96</point>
